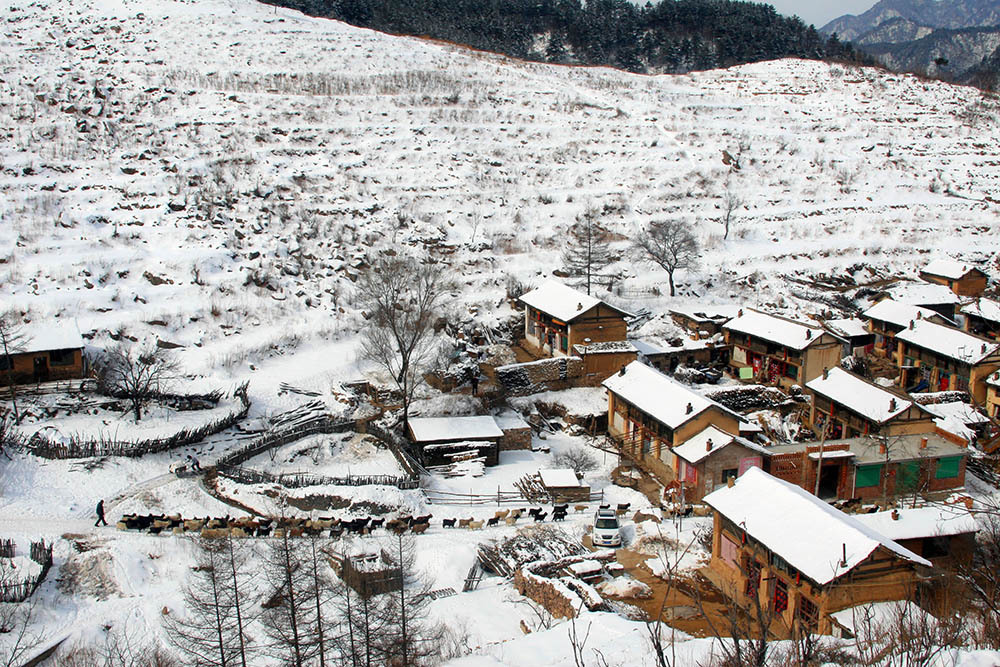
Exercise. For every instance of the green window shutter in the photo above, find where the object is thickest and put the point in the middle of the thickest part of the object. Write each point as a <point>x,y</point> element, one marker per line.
<point>948,467</point>
<point>908,476</point>
<point>868,475</point>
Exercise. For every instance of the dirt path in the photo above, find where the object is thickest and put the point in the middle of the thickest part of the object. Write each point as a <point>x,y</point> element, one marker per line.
<point>675,605</point>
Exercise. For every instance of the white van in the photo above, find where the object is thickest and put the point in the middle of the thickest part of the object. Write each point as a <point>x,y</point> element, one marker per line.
<point>606,533</point>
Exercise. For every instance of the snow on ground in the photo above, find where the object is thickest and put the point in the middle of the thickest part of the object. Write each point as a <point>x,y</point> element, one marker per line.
<point>336,455</point>
<point>211,175</point>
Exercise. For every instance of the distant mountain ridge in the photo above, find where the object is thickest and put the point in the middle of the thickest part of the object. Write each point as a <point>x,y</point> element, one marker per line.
<point>950,14</point>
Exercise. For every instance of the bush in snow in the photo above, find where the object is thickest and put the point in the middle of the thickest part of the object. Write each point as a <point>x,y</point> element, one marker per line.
<point>577,458</point>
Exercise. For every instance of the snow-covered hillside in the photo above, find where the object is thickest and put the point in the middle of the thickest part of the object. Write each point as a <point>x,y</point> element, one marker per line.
<point>244,159</point>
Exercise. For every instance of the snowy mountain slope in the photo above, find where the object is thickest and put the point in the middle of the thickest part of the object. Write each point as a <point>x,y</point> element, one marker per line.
<point>932,13</point>
<point>213,173</point>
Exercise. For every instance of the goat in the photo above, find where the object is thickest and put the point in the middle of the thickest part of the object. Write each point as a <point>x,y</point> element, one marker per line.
<point>501,514</point>
<point>475,525</point>
<point>419,528</point>
<point>492,522</point>
<point>448,523</point>
<point>535,511</point>
<point>336,531</point>
<point>408,519</point>
<point>398,527</point>
<point>464,523</point>
<point>622,508</point>
<point>376,523</point>
<point>540,517</point>
<point>580,508</point>
<point>559,516</point>
<point>518,512</point>
<point>263,530</point>
<point>560,508</point>
<point>511,520</point>
<point>422,519</point>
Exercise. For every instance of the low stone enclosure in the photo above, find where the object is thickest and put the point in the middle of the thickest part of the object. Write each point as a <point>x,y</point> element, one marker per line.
<point>77,448</point>
<point>229,465</point>
<point>560,586</point>
<point>16,586</point>
<point>542,375</point>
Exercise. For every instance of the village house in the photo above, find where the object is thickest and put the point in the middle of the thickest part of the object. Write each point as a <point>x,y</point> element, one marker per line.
<point>982,318</point>
<point>704,320</point>
<point>800,558</point>
<point>872,468</point>
<point>710,458</point>
<point>49,351</point>
<point>601,360</point>
<point>667,355</point>
<point>931,296</point>
<point>444,440</point>
<point>940,358</point>
<point>853,334</point>
<point>557,318</point>
<point>768,348</point>
<point>845,405</point>
<point>960,277</point>
<point>993,395</point>
<point>649,413</point>
<point>887,318</point>
<point>943,534</point>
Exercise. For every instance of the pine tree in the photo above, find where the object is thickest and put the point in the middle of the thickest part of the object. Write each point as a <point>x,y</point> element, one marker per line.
<point>587,252</point>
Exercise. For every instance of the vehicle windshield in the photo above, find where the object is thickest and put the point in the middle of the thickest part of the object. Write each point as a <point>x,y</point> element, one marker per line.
<point>607,523</point>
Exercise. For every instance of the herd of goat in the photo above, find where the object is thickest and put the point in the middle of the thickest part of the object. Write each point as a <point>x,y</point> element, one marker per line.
<point>297,527</point>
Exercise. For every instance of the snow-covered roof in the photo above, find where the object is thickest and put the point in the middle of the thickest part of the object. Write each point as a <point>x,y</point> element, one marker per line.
<point>659,396</point>
<point>948,268</point>
<point>835,454</point>
<point>988,309</point>
<point>958,410</point>
<point>605,347</point>
<point>559,477</point>
<point>509,421</point>
<point>793,335</point>
<point>702,313</point>
<point>948,342</point>
<point>851,327</point>
<point>50,335</point>
<point>856,394</point>
<point>695,448</point>
<point>900,314</point>
<point>778,514</point>
<point>433,429</point>
<point>562,302</point>
<point>923,294</point>
<point>867,449</point>
<point>917,522</point>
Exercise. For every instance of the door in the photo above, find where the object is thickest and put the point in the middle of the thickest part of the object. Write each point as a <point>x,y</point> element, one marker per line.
<point>41,369</point>
<point>829,479</point>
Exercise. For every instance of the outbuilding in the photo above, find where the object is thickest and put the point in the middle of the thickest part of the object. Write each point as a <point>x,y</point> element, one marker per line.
<point>962,278</point>
<point>44,351</point>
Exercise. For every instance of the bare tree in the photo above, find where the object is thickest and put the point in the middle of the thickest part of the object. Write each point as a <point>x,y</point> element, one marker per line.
<point>587,253</point>
<point>730,202</point>
<point>13,339</point>
<point>135,372</point>
<point>212,632</point>
<point>578,459</point>
<point>409,642</point>
<point>402,300</point>
<point>669,244</point>
<point>18,632</point>
<point>10,437</point>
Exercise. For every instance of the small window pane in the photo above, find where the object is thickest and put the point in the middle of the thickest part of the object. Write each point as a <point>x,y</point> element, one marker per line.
<point>868,476</point>
<point>948,467</point>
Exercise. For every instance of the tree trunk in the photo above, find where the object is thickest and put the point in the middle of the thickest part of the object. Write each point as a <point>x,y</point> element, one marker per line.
<point>670,279</point>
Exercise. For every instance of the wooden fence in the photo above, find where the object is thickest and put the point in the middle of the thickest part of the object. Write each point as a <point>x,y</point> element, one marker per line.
<point>19,591</point>
<point>230,464</point>
<point>499,498</point>
<point>78,448</point>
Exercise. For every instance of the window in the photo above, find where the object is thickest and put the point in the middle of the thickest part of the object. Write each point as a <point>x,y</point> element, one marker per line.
<point>4,362</point>
<point>729,473</point>
<point>780,599</point>
<point>936,547</point>
<point>808,612</point>
<point>61,357</point>
<point>792,371</point>
<point>947,468</point>
<point>867,476</point>
<point>753,577</point>
<point>564,343</point>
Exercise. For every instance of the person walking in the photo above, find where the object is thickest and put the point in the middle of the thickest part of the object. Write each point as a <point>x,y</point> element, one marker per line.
<point>475,384</point>
<point>100,514</point>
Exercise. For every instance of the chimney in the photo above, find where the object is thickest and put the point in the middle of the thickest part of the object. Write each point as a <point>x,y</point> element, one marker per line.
<point>809,334</point>
<point>826,373</point>
<point>622,371</point>
<point>892,404</point>
<point>983,349</point>
<point>708,445</point>
<point>689,409</point>
<point>881,448</point>
<point>923,443</point>
<point>739,313</point>
<point>843,558</point>
<point>579,306</point>
<point>911,324</point>
<point>895,515</point>
<point>731,482</point>
<point>920,314</point>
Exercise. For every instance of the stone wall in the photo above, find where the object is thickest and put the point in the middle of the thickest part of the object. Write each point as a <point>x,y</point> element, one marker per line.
<point>542,375</point>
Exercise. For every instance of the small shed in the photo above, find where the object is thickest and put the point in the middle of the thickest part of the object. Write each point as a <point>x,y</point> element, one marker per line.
<point>516,431</point>
<point>47,351</point>
<point>439,438</point>
<point>962,278</point>
<point>369,573</point>
<point>563,486</point>
<point>943,534</point>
